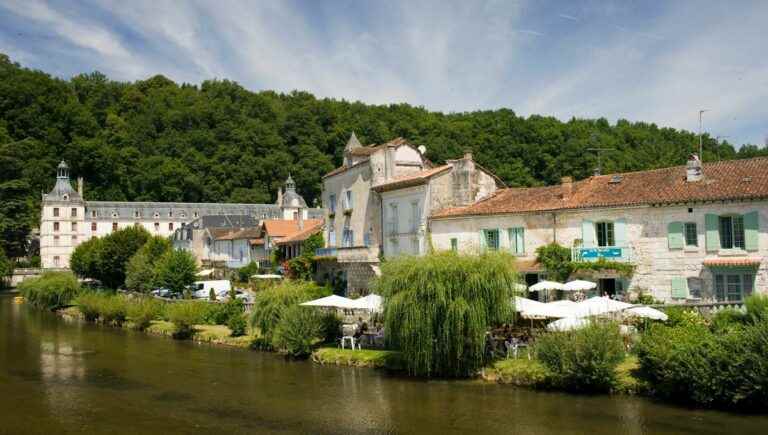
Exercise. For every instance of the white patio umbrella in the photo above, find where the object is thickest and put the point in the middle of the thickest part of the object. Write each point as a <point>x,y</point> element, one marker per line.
<point>563,303</point>
<point>568,324</point>
<point>647,312</point>
<point>523,304</point>
<point>534,309</point>
<point>332,301</point>
<point>546,285</point>
<point>579,285</point>
<point>598,306</point>
<point>372,303</point>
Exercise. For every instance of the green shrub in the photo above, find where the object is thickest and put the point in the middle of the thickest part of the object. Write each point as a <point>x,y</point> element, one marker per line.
<point>297,331</point>
<point>269,304</point>
<point>50,291</point>
<point>237,325</point>
<point>584,360</point>
<point>521,372</point>
<point>89,304</point>
<point>757,308</point>
<point>681,316</point>
<point>184,315</point>
<point>438,308</point>
<point>220,313</point>
<point>142,311</point>
<point>113,310</point>
<point>244,273</point>
<point>692,364</point>
<point>727,319</point>
<point>330,327</point>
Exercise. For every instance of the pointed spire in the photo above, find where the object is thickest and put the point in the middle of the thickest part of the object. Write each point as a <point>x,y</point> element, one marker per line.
<point>289,184</point>
<point>353,142</point>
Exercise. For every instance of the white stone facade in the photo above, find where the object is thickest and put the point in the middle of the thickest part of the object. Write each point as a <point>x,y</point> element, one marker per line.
<point>642,234</point>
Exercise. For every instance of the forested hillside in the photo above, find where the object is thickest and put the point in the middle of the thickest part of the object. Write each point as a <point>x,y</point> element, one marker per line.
<point>159,140</point>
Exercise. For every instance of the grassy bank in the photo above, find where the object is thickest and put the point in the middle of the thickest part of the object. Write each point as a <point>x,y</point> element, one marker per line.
<point>378,359</point>
<point>523,372</point>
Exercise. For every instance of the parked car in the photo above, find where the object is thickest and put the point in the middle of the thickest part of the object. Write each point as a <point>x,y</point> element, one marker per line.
<point>162,292</point>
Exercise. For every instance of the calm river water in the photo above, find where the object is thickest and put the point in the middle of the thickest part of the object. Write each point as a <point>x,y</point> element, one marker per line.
<point>61,377</point>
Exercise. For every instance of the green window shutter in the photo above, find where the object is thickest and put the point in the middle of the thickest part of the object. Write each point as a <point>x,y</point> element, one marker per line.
<point>620,232</point>
<point>587,234</point>
<point>679,288</point>
<point>516,240</point>
<point>521,240</point>
<point>751,230</point>
<point>482,240</point>
<point>712,233</point>
<point>675,237</point>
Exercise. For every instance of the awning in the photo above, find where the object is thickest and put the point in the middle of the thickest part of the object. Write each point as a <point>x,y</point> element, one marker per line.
<point>733,262</point>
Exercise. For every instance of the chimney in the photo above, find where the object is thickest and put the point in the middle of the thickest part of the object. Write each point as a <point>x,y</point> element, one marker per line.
<point>567,183</point>
<point>279,196</point>
<point>80,186</point>
<point>301,219</point>
<point>693,170</point>
<point>468,155</point>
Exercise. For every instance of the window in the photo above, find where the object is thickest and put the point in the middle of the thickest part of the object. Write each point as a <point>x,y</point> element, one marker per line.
<point>393,218</point>
<point>195,214</point>
<point>517,240</point>
<point>114,214</point>
<point>136,214</point>
<point>731,232</point>
<point>295,215</point>
<point>694,287</point>
<point>691,236</point>
<point>74,240</point>
<point>74,212</point>
<point>55,240</point>
<point>491,239</point>
<point>114,226</point>
<point>56,261</point>
<point>347,238</point>
<point>93,213</point>
<point>414,220</point>
<point>74,227</point>
<point>348,200</point>
<point>157,215</point>
<point>454,245</point>
<point>66,197</point>
<point>395,246</point>
<point>55,212</point>
<point>157,226</point>
<point>170,213</point>
<point>170,226</point>
<point>734,286</point>
<point>367,239</point>
<point>331,237</point>
<point>55,226</point>
<point>93,226</point>
<point>604,233</point>
<point>332,203</point>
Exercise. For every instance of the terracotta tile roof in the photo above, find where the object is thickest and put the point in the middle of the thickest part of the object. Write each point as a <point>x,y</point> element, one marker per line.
<point>235,233</point>
<point>733,262</point>
<point>302,235</point>
<point>725,180</point>
<point>528,266</point>
<point>256,242</point>
<point>283,228</point>
<point>411,179</point>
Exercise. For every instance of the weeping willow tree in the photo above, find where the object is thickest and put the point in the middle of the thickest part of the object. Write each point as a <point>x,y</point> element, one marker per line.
<point>437,308</point>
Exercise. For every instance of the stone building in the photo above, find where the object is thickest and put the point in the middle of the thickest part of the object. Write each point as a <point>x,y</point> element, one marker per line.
<point>67,218</point>
<point>694,232</point>
<point>378,201</point>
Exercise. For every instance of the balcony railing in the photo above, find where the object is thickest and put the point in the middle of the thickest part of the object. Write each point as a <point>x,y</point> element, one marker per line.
<point>608,253</point>
<point>326,252</point>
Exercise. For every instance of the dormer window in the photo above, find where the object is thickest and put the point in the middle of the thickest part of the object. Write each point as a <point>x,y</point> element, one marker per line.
<point>195,214</point>
<point>170,213</point>
<point>66,197</point>
<point>137,214</point>
<point>93,213</point>
<point>114,214</point>
<point>183,215</point>
<point>157,215</point>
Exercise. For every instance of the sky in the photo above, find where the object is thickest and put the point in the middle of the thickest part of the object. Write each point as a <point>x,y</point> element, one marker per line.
<point>654,61</point>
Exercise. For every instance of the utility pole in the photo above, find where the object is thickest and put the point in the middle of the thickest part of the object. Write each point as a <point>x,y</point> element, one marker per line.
<point>701,145</point>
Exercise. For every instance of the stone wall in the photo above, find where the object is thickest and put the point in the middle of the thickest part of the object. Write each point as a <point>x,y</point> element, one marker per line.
<point>359,276</point>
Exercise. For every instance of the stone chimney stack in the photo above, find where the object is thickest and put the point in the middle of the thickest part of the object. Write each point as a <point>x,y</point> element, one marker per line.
<point>80,187</point>
<point>693,169</point>
<point>301,219</point>
<point>279,196</point>
<point>567,184</point>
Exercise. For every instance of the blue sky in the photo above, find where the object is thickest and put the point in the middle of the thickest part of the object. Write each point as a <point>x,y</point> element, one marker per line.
<point>657,61</point>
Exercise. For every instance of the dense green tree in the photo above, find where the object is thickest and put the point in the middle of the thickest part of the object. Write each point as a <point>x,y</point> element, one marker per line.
<point>106,259</point>
<point>176,270</point>
<point>140,273</point>
<point>6,268</point>
<point>156,140</point>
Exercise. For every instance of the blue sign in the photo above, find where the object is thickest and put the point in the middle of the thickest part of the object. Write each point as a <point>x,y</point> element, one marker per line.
<point>600,253</point>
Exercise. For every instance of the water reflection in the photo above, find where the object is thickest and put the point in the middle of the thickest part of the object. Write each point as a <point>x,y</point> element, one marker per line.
<point>58,377</point>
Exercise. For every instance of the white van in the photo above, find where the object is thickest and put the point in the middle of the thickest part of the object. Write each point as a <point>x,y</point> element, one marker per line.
<point>202,289</point>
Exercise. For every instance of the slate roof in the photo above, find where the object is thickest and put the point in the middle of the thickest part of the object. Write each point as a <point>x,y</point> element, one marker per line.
<point>725,180</point>
<point>176,210</point>
<point>411,179</point>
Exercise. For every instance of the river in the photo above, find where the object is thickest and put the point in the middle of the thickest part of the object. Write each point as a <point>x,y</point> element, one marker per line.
<point>68,377</point>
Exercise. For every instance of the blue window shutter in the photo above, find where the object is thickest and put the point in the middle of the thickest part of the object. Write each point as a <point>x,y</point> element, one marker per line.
<point>521,240</point>
<point>675,236</point>
<point>751,231</point>
<point>679,288</point>
<point>620,232</point>
<point>587,234</point>
<point>712,232</point>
